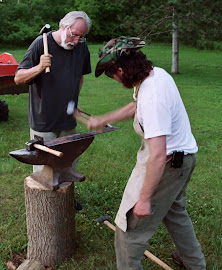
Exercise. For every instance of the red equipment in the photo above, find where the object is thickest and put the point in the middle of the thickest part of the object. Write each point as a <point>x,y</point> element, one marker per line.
<point>8,66</point>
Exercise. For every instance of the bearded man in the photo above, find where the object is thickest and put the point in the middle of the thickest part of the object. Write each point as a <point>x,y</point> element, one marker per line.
<point>49,93</point>
<point>156,189</point>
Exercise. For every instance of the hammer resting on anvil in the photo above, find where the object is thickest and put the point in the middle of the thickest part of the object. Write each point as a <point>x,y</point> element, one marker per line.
<point>56,169</point>
<point>38,143</point>
<point>43,32</point>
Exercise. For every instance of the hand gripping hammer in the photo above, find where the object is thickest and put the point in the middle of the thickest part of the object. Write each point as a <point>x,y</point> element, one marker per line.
<point>43,32</point>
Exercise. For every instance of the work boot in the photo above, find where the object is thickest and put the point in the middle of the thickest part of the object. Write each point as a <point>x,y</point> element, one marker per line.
<point>176,258</point>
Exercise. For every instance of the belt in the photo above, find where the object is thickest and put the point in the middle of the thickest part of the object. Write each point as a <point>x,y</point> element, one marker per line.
<point>169,157</point>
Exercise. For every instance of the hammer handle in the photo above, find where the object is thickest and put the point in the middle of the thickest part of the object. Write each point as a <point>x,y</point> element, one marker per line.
<point>46,51</point>
<point>110,225</point>
<point>146,252</point>
<point>48,150</point>
<point>84,120</point>
<point>80,118</point>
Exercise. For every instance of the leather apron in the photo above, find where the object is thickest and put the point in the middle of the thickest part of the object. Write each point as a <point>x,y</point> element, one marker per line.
<point>135,183</point>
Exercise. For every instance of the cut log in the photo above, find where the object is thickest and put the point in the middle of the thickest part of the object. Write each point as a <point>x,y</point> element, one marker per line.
<point>50,217</point>
<point>14,262</point>
<point>31,265</point>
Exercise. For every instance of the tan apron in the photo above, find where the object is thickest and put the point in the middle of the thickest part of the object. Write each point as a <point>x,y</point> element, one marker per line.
<point>135,183</point>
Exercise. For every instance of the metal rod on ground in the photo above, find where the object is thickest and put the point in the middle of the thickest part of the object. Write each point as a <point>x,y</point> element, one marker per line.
<point>105,220</point>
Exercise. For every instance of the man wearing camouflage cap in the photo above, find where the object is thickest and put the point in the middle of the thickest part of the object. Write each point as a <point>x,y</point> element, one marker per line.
<point>156,189</point>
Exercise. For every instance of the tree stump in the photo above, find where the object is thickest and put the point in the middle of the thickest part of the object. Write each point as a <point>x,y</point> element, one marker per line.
<point>50,217</point>
<point>31,265</point>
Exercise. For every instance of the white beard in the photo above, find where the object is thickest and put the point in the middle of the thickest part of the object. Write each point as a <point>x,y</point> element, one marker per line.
<point>66,46</point>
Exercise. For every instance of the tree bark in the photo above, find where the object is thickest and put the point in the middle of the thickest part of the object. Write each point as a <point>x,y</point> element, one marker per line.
<point>50,217</point>
<point>31,265</point>
<point>175,49</point>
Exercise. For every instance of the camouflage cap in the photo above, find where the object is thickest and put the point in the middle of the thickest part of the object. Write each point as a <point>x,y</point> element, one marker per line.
<point>113,51</point>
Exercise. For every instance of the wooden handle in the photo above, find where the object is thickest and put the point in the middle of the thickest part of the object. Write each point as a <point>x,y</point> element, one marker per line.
<point>111,226</point>
<point>80,118</point>
<point>48,150</point>
<point>46,51</point>
<point>156,260</point>
<point>146,252</point>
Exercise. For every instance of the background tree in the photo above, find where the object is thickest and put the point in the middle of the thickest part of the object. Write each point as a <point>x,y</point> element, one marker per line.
<point>199,22</point>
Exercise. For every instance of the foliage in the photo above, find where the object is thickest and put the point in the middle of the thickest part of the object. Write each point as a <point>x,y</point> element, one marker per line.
<point>200,22</point>
<point>104,15</point>
<point>109,160</point>
<point>22,21</point>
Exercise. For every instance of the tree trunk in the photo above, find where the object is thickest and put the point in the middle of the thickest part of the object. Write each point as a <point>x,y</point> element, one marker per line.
<point>50,217</point>
<point>175,49</point>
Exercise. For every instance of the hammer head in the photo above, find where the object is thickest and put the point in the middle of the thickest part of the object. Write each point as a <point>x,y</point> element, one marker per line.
<point>70,107</point>
<point>103,218</point>
<point>45,29</point>
<point>30,144</point>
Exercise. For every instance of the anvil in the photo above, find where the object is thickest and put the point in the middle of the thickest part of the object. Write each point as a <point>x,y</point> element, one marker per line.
<point>57,170</point>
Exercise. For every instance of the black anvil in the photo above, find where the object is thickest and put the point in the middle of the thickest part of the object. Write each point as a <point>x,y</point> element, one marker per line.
<point>57,170</point>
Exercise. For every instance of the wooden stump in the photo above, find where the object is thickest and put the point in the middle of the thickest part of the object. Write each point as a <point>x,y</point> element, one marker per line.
<point>31,265</point>
<point>50,217</point>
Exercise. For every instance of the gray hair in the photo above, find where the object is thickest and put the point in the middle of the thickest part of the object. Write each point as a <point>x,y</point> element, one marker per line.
<point>71,17</point>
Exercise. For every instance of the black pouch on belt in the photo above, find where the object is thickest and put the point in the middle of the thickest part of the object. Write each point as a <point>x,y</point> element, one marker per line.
<point>177,159</point>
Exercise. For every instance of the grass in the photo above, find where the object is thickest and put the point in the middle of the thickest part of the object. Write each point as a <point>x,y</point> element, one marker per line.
<point>108,162</point>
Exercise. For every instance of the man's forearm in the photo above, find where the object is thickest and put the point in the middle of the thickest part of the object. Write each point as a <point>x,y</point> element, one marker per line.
<point>26,75</point>
<point>154,172</point>
<point>124,113</point>
<point>81,83</point>
<point>155,169</point>
<point>121,114</point>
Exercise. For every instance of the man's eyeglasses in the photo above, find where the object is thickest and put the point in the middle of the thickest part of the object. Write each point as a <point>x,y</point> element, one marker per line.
<point>75,37</point>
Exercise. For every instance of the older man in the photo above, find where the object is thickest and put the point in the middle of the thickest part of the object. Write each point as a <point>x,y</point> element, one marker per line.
<point>49,93</point>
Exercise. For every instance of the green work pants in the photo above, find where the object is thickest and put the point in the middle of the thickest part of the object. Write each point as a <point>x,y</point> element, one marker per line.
<point>169,206</point>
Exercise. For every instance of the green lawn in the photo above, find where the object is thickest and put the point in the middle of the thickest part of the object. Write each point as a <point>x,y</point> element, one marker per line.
<point>108,162</point>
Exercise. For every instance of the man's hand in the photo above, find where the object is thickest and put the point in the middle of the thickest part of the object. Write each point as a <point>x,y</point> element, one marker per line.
<point>45,61</point>
<point>142,209</point>
<point>96,123</point>
<point>27,75</point>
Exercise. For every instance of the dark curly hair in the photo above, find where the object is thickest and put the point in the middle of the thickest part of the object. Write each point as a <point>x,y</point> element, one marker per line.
<point>136,67</point>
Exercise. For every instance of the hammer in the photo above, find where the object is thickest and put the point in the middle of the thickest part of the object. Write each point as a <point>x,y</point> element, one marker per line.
<point>38,144</point>
<point>43,32</point>
<point>78,115</point>
<point>106,220</point>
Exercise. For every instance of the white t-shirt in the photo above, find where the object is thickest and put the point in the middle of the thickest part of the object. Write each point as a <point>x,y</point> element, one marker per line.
<point>160,111</point>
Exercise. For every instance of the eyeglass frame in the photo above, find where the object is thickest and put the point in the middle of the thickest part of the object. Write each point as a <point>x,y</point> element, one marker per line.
<point>76,37</point>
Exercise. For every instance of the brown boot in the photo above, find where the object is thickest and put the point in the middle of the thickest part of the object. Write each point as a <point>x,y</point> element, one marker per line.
<point>176,257</point>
